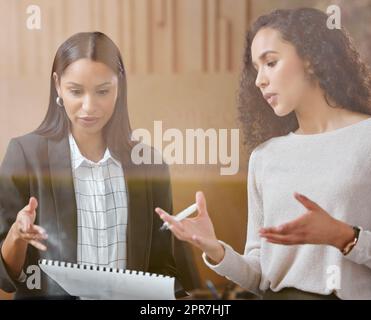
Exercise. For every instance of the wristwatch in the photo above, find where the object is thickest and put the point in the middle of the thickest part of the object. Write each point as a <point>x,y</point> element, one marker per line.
<point>351,244</point>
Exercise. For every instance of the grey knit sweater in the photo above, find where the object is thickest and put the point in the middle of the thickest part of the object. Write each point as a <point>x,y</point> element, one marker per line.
<point>334,170</point>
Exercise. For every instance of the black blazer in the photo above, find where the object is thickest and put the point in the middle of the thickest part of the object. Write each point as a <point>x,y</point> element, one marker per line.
<point>41,167</point>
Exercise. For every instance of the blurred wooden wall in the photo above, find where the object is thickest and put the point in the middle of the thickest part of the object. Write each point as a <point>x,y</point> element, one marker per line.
<point>182,58</point>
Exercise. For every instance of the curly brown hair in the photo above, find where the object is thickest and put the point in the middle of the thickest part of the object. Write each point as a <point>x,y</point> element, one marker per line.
<point>336,65</point>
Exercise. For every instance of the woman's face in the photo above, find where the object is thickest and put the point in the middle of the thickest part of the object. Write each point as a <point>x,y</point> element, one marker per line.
<point>89,92</point>
<point>281,73</point>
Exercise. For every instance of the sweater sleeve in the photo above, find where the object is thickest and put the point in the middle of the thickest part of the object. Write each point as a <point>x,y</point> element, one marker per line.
<point>244,269</point>
<point>361,252</point>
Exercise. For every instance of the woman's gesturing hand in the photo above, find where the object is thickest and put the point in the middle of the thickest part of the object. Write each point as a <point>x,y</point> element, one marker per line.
<point>315,226</point>
<point>26,230</point>
<point>198,231</point>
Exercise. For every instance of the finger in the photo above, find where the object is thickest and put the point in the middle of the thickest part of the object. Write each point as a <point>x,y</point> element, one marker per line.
<point>38,229</point>
<point>293,226</point>
<point>282,239</point>
<point>201,203</point>
<point>269,230</point>
<point>307,203</point>
<point>168,218</point>
<point>160,211</point>
<point>38,245</point>
<point>277,230</point>
<point>33,236</point>
<point>33,203</point>
<point>165,216</point>
<point>282,229</point>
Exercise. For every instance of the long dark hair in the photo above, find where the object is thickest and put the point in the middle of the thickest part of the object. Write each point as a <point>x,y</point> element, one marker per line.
<point>336,64</point>
<point>97,47</point>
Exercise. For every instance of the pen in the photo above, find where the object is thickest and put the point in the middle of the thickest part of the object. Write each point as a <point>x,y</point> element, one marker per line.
<point>182,215</point>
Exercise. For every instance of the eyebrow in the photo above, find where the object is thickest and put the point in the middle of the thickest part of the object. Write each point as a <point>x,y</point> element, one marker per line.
<point>79,85</point>
<point>264,54</point>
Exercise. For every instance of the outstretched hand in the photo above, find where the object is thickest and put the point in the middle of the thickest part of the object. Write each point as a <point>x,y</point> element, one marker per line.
<point>199,230</point>
<point>315,226</point>
<point>25,228</point>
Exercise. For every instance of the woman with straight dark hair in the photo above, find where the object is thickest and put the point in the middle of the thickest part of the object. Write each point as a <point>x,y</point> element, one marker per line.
<point>305,106</point>
<point>69,191</point>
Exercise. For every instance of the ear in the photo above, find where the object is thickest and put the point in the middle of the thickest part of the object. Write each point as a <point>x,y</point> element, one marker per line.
<point>56,83</point>
<point>308,67</point>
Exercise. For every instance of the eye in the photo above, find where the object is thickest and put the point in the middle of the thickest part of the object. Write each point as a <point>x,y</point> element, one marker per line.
<point>75,92</point>
<point>103,92</point>
<point>271,64</point>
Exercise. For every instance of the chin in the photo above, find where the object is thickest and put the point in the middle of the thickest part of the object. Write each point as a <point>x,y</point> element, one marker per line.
<point>281,111</point>
<point>91,130</point>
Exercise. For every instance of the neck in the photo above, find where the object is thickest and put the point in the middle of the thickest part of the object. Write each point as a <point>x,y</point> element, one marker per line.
<point>91,146</point>
<point>315,115</point>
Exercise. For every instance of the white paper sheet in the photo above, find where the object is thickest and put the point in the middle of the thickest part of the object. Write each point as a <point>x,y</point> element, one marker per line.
<point>112,285</point>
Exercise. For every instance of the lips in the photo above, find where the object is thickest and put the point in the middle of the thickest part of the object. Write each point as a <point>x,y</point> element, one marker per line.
<point>271,98</point>
<point>89,118</point>
<point>88,121</point>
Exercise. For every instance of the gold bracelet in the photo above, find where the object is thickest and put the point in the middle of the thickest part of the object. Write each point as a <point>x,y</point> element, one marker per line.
<point>351,244</point>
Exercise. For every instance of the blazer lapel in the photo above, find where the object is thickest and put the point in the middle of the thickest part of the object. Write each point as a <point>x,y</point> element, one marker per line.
<point>64,197</point>
<point>139,230</point>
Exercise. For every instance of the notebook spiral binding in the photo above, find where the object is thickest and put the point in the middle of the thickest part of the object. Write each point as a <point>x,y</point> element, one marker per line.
<point>57,263</point>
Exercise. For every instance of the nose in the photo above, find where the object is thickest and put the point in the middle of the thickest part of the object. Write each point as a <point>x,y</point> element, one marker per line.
<point>88,105</point>
<point>261,80</point>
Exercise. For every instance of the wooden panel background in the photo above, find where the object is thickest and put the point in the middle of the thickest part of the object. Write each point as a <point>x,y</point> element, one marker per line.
<point>182,58</point>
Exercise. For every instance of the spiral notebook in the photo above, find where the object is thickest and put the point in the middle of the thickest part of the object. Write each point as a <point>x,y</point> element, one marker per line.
<point>91,282</point>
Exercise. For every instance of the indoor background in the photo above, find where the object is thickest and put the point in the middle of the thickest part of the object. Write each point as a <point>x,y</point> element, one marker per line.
<point>182,58</point>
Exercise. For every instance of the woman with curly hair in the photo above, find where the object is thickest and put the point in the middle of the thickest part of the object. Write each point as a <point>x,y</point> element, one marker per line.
<point>305,106</point>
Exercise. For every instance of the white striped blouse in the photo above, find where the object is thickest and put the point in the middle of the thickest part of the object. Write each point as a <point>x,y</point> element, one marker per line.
<point>101,199</point>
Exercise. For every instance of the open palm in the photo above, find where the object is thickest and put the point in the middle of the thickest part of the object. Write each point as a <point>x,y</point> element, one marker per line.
<point>198,230</point>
